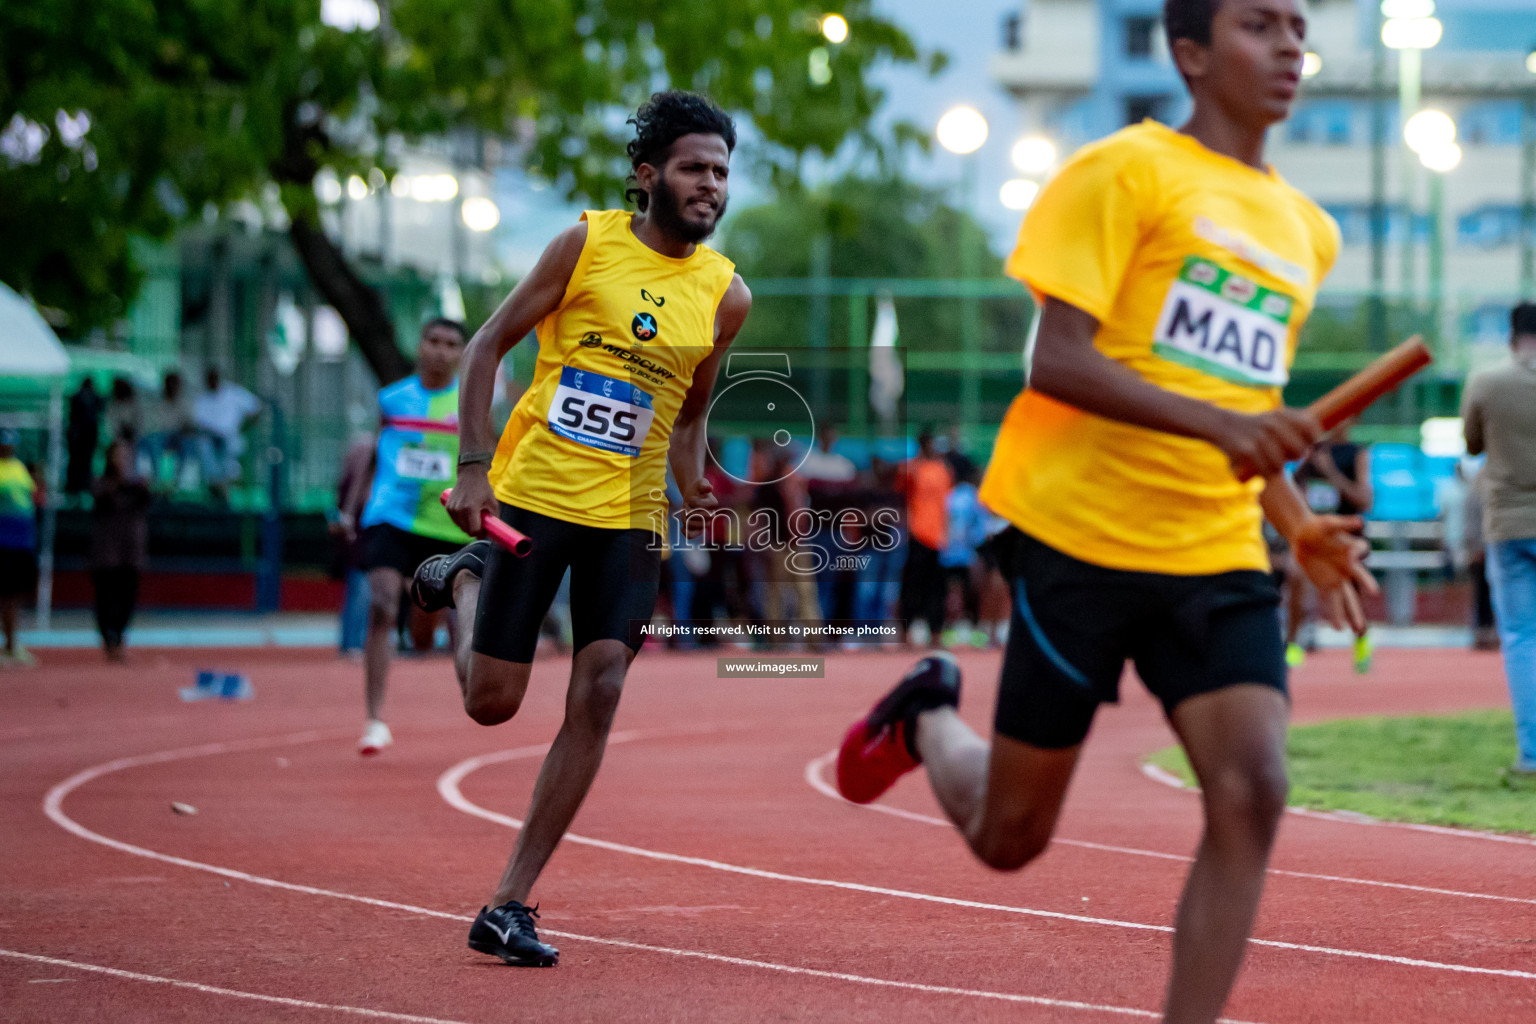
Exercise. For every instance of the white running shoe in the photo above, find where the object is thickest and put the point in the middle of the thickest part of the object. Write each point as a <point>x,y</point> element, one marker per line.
<point>375,738</point>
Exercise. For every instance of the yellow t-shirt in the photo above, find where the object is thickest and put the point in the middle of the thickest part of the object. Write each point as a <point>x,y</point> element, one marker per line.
<point>587,442</point>
<point>1200,271</point>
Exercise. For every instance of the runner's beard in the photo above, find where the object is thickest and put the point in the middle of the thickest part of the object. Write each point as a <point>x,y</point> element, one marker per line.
<point>666,209</point>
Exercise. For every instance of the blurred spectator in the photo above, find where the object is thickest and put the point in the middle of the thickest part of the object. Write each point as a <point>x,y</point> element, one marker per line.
<point>966,531</point>
<point>124,417</point>
<point>223,411</point>
<point>119,544</point>
<point>926,481</point>
<point>960,464</point>
<point>1499,417</point>
<point>351,494</point>
<point>19,498</point>
<point>832,483</point>
<point>1463,514</point>
<point>1335,480</point>
<point>81,436</point>
<point>783,497</point>
<point>169,427</point>
<point>879,583</point>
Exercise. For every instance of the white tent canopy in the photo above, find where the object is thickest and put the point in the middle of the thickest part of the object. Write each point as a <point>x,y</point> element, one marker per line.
<point>29,350</point>
<point>28,346</point>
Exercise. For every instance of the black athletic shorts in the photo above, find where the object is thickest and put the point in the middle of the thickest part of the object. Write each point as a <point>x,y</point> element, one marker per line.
<point>615,575</point>
<point>18,572</point>
<point>1075,625</point>
<point>389,547</point>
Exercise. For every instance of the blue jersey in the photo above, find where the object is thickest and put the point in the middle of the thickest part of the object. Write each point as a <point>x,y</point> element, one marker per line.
<point>417,456</point>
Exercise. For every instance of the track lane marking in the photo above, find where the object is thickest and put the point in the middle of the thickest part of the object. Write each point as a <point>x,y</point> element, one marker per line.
<point>304,1004</point>
<point>814,776</point>
<point>448,786</point>
<point>53,808</point>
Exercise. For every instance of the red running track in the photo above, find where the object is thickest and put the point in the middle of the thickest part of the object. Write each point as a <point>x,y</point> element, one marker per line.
<point>709,878</point>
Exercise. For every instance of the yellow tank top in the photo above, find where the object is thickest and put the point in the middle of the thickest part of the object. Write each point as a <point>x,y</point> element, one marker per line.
<point>587,442</point>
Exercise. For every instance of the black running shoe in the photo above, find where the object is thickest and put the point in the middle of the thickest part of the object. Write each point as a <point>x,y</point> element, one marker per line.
<point>432,586</point>
<point>508,932</point>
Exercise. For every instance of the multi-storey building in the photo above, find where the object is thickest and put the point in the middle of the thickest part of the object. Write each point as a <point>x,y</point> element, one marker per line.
<point>1081,69</point>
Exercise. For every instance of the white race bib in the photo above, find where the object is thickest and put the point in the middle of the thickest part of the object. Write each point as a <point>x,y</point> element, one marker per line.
<point>423,464</point>
<point>601,412</point>
<point>1225,325</point>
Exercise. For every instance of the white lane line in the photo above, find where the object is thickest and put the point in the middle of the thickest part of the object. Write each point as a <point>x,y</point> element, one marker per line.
<point>448,785</point>
<point>304,1004</point>
<point>1172,781</point>
<point>53,807</point>
<point>815,768</point>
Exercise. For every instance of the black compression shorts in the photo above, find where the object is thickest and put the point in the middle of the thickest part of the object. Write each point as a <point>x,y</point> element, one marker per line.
<point>615,574</point>
<point>388,547</point>
<point>1075,625</point>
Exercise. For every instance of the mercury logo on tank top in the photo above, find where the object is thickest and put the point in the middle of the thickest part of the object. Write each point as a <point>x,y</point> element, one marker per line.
<point>1226,325</point>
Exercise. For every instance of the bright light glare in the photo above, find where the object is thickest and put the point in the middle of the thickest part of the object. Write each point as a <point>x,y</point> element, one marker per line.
<point>1442,436</point>
<point>1530,62</point>
<point>327,187</point>
<point>1429,129</point>
<point>962,130</point>
<point>1311,64</point>
<point>357,188</point>
<point>835,28</point>
<point>434,188</point>
<point>480,214</point>
<point>1033,155</point>
<point>1441,159</point>
<point>1411,33</point>
<point>1407,8</point>
<point>349,15</point>
<point>1018,193</point>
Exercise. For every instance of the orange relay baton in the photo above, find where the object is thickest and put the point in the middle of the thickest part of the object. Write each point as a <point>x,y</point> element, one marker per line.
<point>500,533</point>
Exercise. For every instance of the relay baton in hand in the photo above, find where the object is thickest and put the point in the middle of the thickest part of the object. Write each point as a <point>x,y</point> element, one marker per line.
<point>1383,374</point>
<point>503,535</point>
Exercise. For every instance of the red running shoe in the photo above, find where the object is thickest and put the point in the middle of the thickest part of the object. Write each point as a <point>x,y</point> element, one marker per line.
<point>878,748</point>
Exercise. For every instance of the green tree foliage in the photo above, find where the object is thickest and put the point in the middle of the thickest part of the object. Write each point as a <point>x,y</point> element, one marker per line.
<point>193,104</point>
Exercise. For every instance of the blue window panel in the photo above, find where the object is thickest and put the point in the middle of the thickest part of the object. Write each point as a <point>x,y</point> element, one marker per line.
<point>1490,123</point>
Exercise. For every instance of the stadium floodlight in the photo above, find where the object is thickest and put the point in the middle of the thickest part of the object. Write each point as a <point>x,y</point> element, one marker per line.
<point>1407,8</point>
<point>480,214</point>
<point>1429,130</point>
<point>835,28</point>
<point>1034,154</point>
<point>962,130</point>
<point>357,188</point>
<point>1311,64</point>
<point>1018,193</point>
<point>1411,33</point>
<point>1441,159</point>
<point>1530,61</point>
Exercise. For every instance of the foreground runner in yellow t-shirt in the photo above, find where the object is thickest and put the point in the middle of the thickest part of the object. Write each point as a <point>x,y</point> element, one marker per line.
<point>633,315</point>
<point>1175,270</point>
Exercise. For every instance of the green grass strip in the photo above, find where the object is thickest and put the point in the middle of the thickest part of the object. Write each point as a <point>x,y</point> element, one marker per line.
<point>1443,770</point>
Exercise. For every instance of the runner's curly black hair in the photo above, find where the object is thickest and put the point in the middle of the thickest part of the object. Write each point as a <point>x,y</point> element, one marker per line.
<point>665,118</point>
<point>1189,19</point>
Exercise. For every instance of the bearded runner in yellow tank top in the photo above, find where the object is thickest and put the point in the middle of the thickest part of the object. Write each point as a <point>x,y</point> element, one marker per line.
<point>1159,239</point>
<point>633,315</point>
<point>588,440</point>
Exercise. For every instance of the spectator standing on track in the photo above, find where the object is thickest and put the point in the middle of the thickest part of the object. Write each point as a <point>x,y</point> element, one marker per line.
<point>926,481</point>
<point>82,436</point>
<point>1499,417</point>
<point>119,544</point>
<point>1485,631</point>
<point>222,412</point>
<point>351,492</point>
<point>19,498</point>
<point>966,522</point>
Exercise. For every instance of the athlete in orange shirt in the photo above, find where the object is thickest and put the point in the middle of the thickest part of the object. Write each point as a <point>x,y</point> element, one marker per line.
<point>1175,270</point>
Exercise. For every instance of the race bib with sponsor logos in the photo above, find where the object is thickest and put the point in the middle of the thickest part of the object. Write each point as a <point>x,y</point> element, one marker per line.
<point>1225,325</point>
<point>423,464</point>
<point>601,412</point>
